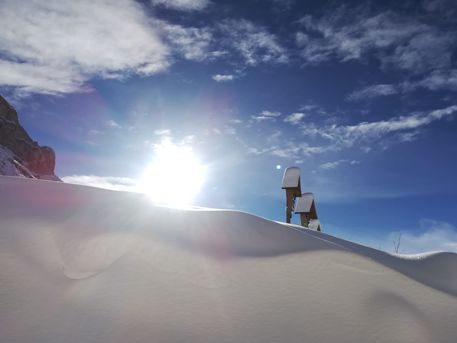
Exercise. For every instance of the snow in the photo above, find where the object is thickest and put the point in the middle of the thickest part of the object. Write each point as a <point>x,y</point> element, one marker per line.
<point>6,165</point>
<point>10,166</point>
<point>291,177</point>
<point>304,203</point>
<point>80,264</point>
<point>314,224</point>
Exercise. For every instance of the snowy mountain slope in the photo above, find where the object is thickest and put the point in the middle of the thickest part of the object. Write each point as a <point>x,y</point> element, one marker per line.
<point>19,154</point>
<point>80,264</point>
<point>10,166</point>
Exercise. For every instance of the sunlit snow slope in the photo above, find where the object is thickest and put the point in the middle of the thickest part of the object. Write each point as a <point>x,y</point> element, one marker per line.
<point>80,264</point>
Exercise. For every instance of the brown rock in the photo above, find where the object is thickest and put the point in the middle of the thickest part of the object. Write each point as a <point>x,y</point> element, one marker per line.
<point>40,160</point>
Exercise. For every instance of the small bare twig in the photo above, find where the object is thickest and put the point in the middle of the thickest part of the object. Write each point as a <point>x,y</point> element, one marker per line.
<point>397,242</point>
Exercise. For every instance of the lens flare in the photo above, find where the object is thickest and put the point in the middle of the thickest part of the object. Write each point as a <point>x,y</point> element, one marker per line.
<point>174,177</point>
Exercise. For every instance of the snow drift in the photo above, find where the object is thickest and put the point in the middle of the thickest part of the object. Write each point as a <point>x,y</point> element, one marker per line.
<point>80,264</point>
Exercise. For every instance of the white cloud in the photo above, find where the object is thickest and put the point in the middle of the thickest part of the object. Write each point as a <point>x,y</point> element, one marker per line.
<point>334,138</point>
<point>373,92</point>
<point>46,79</point>
<point>409,136</point>
<point>445,9</point>
<point>364,135</point>
<point>289,150</point>
<point>235,121</point>
<point>57,45</point>
<point>271,114</point>
<point>223,77</point>
<point>330,165</point>
<point>294,151</point>
<point>254,43</point>
<point>335,164</point>
<point>436,80</point>
<point>425,51</point>
<point>398,41</point>
<point>312,108</point>
<point>182,4</point>
<point>347,136</point>
<point>294,118</point>
<point>190,42</point>
<point>113,123</point>
<point>266,115</point>
<point>283,4</point>
<point>95,132</point>
<point>312,150</point>
<point>439,79</point>
<point>301,39</point>
<point>107,182</point>
<point>162,132</point>
<point>434,236</point>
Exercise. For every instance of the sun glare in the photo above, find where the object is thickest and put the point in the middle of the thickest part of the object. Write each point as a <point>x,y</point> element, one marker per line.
<point>174,177</point>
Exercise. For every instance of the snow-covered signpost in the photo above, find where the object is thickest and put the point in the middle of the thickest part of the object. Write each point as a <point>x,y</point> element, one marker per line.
<point>291,183</point>
<point>307,210</point>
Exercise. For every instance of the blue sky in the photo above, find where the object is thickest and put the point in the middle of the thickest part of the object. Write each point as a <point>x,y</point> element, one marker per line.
<point>360,95</point>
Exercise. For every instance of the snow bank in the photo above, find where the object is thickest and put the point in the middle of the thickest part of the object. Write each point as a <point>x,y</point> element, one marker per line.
<point>80,264</point>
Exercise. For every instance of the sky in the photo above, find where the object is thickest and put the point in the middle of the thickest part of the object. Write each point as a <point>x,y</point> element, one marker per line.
<point>359,95</point>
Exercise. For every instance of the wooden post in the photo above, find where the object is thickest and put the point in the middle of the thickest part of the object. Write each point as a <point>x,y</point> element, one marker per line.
<point>304,219</point>
<point>291,183</point>
<point>290,204</point>
<point>306,207</point>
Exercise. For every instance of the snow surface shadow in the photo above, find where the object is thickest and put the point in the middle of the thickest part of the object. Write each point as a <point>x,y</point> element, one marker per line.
<point>399,312</point>
<point>438,270</point>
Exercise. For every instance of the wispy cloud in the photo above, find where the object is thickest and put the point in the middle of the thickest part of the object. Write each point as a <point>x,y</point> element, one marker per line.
<point>444,8</point>
<point>162,132</point>
<point>182,4</point>
<point>294,118</point>
<point>364,134</point>
<point>253,42</point>
<point>107,182</point>
<point>310,108</point>
<point>373,92</point>
<point>235,121</point>
<point>397,41</point>
<point>189,42</point>
<point>331,138</point>
<point>46,79</point>
<point>290,150</point>
<point>335,164</point>
<point>266,115</point>
<point>437,80</point>
<point>113,123</point>
<point>434,81</point>
<point>347,136</point>
<point>223,77</point>
<point>282,4</point>
<point>39,57</point>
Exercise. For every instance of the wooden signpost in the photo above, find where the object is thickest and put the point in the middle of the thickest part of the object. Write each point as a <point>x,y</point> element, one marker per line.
<point>297,202</point>
<point>306,207</point>
<point>291,183</point>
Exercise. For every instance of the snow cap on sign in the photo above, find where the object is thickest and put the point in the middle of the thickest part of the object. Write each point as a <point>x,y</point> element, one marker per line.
<point>291,178</point>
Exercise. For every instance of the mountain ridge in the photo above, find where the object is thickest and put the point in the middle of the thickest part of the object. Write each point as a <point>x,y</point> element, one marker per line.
<point>20,155</point>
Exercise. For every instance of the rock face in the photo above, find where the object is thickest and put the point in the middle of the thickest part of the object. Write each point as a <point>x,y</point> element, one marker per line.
<point>30,159</point>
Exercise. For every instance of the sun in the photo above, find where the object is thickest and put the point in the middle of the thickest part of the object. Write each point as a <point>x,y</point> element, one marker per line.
<point>174,177</point>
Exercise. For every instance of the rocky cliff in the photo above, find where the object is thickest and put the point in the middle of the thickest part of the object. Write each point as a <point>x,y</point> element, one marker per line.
<point>19,154</point>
